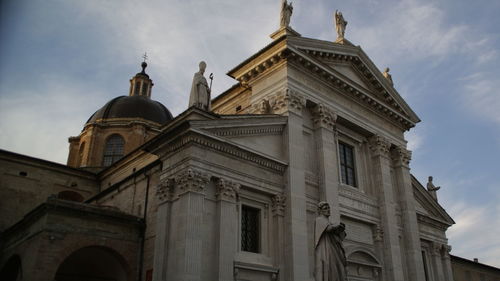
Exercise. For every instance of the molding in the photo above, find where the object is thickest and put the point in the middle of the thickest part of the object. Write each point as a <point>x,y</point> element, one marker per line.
<point>247,131</point>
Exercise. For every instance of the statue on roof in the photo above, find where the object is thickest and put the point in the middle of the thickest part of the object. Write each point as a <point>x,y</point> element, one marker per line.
<point>340,25</point>
<point>329,254</point>
<point>286,14</point>
<point>432,188</point>
<point>200,91</point>
<point>387,75</point>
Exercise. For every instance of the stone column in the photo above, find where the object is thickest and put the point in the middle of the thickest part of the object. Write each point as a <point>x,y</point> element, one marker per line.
<point>411,233</point>
<point>227,243</point>
<point>448,273</point>
<point>383,181</point>
<point>297,263</point>
<point>186,242</point>
<point>328,171</point>
<point>278,208</point>
<point>165,194</point>
<point>437,265</point>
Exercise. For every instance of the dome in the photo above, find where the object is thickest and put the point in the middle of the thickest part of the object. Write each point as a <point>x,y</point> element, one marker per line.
<point>133,107</point>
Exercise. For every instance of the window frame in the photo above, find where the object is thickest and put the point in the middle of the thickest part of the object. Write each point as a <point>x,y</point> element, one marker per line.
<point>258,230</point>
<point>344,168</point>
<point>112,153</point>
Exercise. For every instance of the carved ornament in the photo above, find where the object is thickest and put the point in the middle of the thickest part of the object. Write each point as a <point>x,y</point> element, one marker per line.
<point>290,100</point>
<point>279,204</point>
<point>379,145</point>
<point>192,180</point>
<point>401,155</point>
<point>166,190</point>
<point>227,190</point>
<point>323,116</point>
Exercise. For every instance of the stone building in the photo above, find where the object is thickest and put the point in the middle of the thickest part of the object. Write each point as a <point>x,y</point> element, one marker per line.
<point>232,193</point>
<point>467,270</point>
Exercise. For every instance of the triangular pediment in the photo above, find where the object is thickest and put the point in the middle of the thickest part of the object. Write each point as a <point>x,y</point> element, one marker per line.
<point>343,66</point>
<point>357,71</point>
<point>427,206</point>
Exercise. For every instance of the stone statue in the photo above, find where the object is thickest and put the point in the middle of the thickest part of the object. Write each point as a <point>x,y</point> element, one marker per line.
<point>387,75</point>
<point>329,255</point>
<point>432,189</point>
<point>340,25</point>
<point>286,14</point>
<point>200,92</point>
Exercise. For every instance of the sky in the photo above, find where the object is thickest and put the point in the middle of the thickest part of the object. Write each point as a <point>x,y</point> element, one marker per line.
<point>62,60</point>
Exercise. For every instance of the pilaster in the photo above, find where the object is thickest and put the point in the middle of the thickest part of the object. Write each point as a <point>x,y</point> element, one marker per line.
<point>297,264</point>
<point>448,273</point>
<point>411,234</point>
<point>383,181</point>
<point>436,261</point>
<point>164,195</point>
<point>278,211</point>
<point>227,243</point>
<point>325,135</point>
<point>186,242</point>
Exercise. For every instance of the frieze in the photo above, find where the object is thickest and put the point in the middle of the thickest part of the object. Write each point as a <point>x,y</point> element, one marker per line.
<point>227,190</point>
<point>247,131</point>
<point>191,180</point>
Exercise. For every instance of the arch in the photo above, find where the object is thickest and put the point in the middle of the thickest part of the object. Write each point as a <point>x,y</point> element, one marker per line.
<point>363,264</point>
<point>93,263</point>
<point>12,269</point>
<point>113,149</point>
<point>70,196</point>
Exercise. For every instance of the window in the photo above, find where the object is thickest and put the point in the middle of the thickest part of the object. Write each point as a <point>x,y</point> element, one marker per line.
<point>113,150</point>
<point>250,222</point>
<point>347,172</point>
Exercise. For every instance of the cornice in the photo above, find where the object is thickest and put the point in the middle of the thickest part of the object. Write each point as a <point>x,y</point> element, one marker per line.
<point>247,131</point>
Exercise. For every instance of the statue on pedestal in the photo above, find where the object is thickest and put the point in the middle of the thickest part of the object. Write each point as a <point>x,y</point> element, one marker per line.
<point>286,14</point>
<point>340,25</point>
<point>387,75</point>
<point>329,255</point>
<point>432,188</point>
<point>200,91</point>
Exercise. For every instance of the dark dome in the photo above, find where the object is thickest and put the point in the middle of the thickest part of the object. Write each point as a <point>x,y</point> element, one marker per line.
<point>133,107</point>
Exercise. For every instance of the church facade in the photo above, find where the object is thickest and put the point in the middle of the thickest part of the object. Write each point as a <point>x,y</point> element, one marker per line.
<point>230,191</point>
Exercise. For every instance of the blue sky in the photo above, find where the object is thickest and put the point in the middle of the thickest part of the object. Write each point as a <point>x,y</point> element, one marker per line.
<point>62,60</point>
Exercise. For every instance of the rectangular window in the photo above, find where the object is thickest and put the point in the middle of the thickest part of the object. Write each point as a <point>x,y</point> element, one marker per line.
<point>347,172</point>
<point>250,229</point>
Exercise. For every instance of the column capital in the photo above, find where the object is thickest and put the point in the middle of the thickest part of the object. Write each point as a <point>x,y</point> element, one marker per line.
<point>324,117</point>
<point>401,156</point>
<point>289,100</point>
<point>165,190</point>
<point>227,190</point>
<point>446,251</point>
<point>436,248</point>
<point>379,145</point>
<point>279,204</point>
<point>191,180</point>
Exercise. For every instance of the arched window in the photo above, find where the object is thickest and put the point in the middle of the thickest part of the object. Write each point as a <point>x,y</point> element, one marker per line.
<point>70,196</point>
<point>113,150</point>
<point>12,269</point>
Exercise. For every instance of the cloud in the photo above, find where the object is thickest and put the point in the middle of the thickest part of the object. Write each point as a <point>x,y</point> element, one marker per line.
<point>482,95</point>
<point>415,30</point>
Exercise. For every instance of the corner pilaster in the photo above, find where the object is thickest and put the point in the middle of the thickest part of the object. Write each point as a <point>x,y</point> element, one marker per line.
<point>448,273</point>
<point>278,211</point>
<point>436,261</point>
<point>164,195</point>
<point>326,144</point>
<point>379,147</point>
<point>411,235</point>
<point>297,265</point>
<point>227,244</point>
